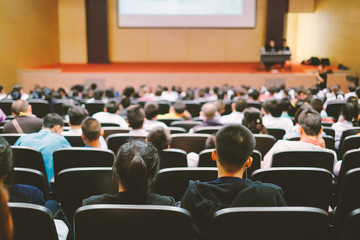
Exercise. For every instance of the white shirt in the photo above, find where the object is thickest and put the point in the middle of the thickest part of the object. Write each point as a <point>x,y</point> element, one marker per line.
<point>150,124</point>
<point>106,117</point>
<point>278,122</point>
<point>139,132</point>
<point>234,117</point>
<point>349,94</point>
<point>78,131</point>
<point>339,128</point>
<point>283,145</point>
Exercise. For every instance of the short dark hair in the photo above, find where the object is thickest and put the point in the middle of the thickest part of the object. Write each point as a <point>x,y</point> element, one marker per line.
<point>136,167</point>
<point>112,106</point>
<point>240,105</point>
<point>179,107</point>
<point>310,121</point>
<point>274,108</point>
<point>234,144</point>
<point>52,119</point>
<point>128,91</point>
<point>285,103</point>
<point>98,94</point>
<point>317,104</point>
<point>352,87</point>
<point>210,141</point>
<point>350,111</point>
<point>19,106</point>
<point>135,116</point>
<point>6,157</point>
<point>125,102</point>
<point>254,94</point>
<point>357,92</point>
<point>77,114</point>
<point>151,110</point>
<point>91,128</point>
<point>159,137</point>
<point>253,121</point>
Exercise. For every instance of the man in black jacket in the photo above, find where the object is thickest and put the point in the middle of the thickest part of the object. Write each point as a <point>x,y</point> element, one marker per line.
<point>234,145</point>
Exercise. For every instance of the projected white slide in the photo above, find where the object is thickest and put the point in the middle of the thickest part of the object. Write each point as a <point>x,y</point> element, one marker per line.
<point>187,13</point>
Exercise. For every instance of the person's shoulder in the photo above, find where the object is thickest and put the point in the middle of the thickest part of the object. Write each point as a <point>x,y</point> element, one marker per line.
<point>26,193</point>
<point>98,199</point>
<point>156,199</point>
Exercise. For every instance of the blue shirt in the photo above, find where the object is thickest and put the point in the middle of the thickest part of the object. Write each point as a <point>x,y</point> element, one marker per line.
<point>46,142</point>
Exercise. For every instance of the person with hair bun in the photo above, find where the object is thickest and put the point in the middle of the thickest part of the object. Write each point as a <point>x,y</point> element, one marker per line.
<point>135,170</point>
<point>253,121</point>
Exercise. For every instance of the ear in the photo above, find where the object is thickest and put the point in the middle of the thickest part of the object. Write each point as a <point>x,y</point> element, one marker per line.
<point>321,130</point>
<point>248,162</point>
<point>104,109</point>
<point>102,132</point>
<point>30,108</point>
<point>233,107</point>
<point>301,131</point>
<point>83,137</point>
<point>214,155</point>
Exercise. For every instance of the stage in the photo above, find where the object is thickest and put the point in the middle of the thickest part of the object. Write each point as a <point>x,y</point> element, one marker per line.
<point>119,75</point>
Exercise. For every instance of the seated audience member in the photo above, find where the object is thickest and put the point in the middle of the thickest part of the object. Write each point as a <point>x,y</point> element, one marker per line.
<point>349,115</point>
<point>18,93</point>
<point>136,119</point>
<point>46,141</point>
<point>124,103</point>
<point>178,111</point>
<point>275,120</point>
<point>2,116</point>
<point>351,93</point>
<point>234,145</point>
<point>91,132</point>
<point>310,137</point>
<point>210,141</point>
<point>237,115</point>
<point>136,168</point>
<point>221,107</point>
<point>111,114</point>
<point>6,226</point>
<point>357,92</point>
<point>98,96</point>
<point>253,121</point>
<point>208,112</point>
<point>151,112</point>
<point>2,93</point>
<point>159,137</point>
<point>24,121</point>
<point>318,104</point>
<point>254,95</point>
<point>28,194</point>
<point>286,106</point>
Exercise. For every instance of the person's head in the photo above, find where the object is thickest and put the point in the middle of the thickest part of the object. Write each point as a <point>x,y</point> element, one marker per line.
<point>158,91</point>
<point>240,105</point>
<point>98,94</point>
<point>310,122</point>
<point>350,112</point>
<point>76,115</point>
<point>125,102</point>
<point>317,104</point>
<point>179,107</point>
<point>160,138</point>
<point>1,89</point>
<point>6,226</point>
<point>285,104</point>
<point>357,92</point>
<point>54,122</point>
<point>352,87</point>
<point>253,120</point>
<point>6,160</point>
<point>91,131</point>
<point>254,94</point>
<point>221,106</point>
<point>210,141</point>
<point>234,145</point>
<point>128,91</point>
<point>151,110</point>
<point>20,108</point>
<point>135,116</point>
<point>135,168</point>
<point>272,43</point>
<point>112,106</point>
<point>274,107</point>
<point>352,99</point>
<point>209,111</point>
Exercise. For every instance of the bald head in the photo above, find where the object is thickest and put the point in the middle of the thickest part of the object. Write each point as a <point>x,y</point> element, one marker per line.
<point>20,107</point>
<point>209,110</point>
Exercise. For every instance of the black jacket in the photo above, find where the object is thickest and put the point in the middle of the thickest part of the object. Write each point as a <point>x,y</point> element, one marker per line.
<point>202,200</point>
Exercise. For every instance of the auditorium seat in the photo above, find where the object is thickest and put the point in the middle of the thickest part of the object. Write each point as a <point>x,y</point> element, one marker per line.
<point>208,130</point>
<point>264,143</point>
<point>255,105</point>
<point>351,226</point>
<point>81,157</point>
<point>333,108</point>
<point>174,130</point>
<point>349,132</point>
<point>112,130</point>
<point>31,177</point>
<point>193,108</point>
<point>329,131</point>
<point>278,133</point>
<point>76,184</point>
<point>115,141</point>
<point>189,142</point>
<point>109,124</point>
<point>5,106</point>
<point>168,121</point>
<point>349,143</point>
<point>112,222</point>
<point>308,158</point>
<point>172,157</point>
<point>26,157</point>
<point>174,181</point>
<point>350,161</point>
<point>187,125</point>
<point>39,107</point>
<point>94,107</point>
<point>32,221</point>
<point>75,140</point>
<point>12,137</point>
<point>281,223</point>
<point>310,187</point>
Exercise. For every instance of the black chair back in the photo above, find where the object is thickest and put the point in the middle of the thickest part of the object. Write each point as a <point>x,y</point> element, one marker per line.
<point>12,137</point>
<point>264,143</point>
<point>309,187</point>
<point>31,177</point>
<point>115,141</point>
<point>40,107</point>
<point>349,132</point>
<point>132,222</point>
<point>189,142</point>
<point>174,130</point>
<point>350,143</point>
<point>75,140</point>
<point>187,125</point>
<point>5,106</point>
<point>172,158</point>
<point>255,105</point>
<point>308,158</point>
<point>350,161</point>
<point>164,107</point>
<point>168,121</point>
<point>193,108</point>
<point>32,222</point>
<point>208,130</point>
<point>329,131</point>
<point>25,157</point>
<point>113,130</point>
<point>333,108</point>
<point>300,223</point>
<point>94,107</point>
<point>81,157</point>
<point>174,181</point>
<point>278,133</point>
<point>351,226</point>
<point>76,184</point>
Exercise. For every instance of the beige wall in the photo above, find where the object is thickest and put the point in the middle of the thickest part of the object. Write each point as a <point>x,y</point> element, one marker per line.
<point>185,45</point>
<point>28,36</point>
<point>72,31</point>
<point>332,30</point>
